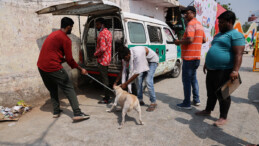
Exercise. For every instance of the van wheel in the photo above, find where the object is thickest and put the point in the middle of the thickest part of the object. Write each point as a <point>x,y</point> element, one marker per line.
<point>176,71</point>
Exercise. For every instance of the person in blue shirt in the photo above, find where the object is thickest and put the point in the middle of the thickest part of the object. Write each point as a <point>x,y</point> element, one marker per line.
<point>222,63</point>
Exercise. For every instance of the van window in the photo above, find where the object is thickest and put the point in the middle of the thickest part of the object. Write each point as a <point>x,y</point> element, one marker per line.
<point>168,35</point>
<point>90,41</point>
<point>118,38</point>
<point>136,32</point>
<point>118,32</point>
<point>91,33</point>
<point>155,34</point>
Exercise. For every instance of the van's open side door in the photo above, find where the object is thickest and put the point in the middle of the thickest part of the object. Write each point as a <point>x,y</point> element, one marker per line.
<point>82,8</point>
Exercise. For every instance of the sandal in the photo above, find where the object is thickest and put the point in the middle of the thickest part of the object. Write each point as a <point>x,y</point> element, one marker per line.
<point>152,107</point>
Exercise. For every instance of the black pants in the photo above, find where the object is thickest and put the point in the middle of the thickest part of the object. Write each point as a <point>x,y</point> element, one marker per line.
<point>52,81</point>
<point>104,75</point>
<point>214,80</point>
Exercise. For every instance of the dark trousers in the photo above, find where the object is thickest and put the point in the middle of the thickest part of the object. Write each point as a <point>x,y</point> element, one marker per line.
<point>104,75</point>
<point>52,81</point>
<point>214,80</point>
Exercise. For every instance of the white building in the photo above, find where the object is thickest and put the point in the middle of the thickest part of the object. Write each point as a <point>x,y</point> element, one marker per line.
<point>151,8</point>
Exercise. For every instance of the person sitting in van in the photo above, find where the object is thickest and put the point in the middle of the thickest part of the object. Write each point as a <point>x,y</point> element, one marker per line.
<point>142,63</point>
<point>103,54</point>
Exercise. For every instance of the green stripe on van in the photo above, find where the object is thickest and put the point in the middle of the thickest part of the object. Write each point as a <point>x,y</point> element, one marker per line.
<point>179,51</point>
<point>160,48</point>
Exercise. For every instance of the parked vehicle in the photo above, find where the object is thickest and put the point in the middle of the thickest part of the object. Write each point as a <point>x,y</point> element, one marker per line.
<point>127,29</point>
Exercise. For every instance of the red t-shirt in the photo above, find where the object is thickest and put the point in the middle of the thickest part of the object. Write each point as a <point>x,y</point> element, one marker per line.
<point>56,46</point>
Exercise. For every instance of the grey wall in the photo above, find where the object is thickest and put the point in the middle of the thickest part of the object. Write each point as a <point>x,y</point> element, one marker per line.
<point>22,34</point>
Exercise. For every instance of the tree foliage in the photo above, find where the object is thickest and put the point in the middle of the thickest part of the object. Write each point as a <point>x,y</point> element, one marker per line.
<point>226,6</point>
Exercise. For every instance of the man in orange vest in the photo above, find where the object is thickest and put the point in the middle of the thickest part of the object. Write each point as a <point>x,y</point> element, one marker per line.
<point>191,44</point>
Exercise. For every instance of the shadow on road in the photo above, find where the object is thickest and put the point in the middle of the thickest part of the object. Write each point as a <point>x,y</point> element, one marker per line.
<point>47,107</point>
<point>39,141</point>
<point>92,89</point>
<point>160,78</point>
<point>118,112</point>
<point>197,124</point>
<point>253,94</point>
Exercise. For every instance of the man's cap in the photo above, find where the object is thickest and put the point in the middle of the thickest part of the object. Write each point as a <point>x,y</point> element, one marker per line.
<point>191,8</point>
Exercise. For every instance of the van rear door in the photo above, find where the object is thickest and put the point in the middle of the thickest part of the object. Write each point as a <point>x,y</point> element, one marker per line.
<point>82,8</point>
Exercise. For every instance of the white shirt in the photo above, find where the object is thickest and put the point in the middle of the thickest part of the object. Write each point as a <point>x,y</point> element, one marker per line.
<point>138,62</point>
<point>152,56</point>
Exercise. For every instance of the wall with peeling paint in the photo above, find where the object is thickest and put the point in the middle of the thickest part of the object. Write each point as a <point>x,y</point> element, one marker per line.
<point>149,9</point>
<point>22,34</point>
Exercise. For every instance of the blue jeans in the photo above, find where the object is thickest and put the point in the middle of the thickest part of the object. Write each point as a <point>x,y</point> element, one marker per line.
<point>149,81</point>
<point>189,80</point>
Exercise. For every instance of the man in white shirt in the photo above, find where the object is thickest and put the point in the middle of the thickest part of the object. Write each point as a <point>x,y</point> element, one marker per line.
<point>142,63</point>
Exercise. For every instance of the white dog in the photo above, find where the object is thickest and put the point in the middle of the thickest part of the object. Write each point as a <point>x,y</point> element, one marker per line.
<point>127,102</point>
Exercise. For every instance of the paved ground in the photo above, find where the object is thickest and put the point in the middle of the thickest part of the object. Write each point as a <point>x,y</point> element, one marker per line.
<point>166,126</point>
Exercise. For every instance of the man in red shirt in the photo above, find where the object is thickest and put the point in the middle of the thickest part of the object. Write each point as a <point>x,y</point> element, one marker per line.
<point>56,49</point>
<point>103,54</point>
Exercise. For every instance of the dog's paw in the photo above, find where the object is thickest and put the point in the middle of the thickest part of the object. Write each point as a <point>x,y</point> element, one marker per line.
<point>120,127</point>
<point>141,123</point>
<point>108,111</point>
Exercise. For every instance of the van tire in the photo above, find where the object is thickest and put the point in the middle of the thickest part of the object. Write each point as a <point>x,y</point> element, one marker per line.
<point>176,71</point>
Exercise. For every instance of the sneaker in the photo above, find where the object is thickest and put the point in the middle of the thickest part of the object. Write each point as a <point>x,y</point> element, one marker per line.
<point>220,122</point>
<point>203,113</point>
<point>196,103</point>
<point>105,101</point>
<point>142,103</point>
<point>181,105</point>
<point>80,117</point>
<point>57,114</point>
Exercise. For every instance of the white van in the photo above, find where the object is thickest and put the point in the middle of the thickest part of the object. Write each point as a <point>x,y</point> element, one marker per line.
<point>127,29</point>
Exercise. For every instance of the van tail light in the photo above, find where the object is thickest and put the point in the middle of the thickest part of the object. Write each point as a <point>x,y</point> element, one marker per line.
<point>81,56</point>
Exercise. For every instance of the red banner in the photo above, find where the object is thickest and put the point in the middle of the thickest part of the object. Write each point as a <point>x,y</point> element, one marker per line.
<point>219,11</point>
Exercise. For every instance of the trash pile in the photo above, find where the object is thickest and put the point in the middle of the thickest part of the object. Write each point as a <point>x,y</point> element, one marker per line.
<point>14,113</point>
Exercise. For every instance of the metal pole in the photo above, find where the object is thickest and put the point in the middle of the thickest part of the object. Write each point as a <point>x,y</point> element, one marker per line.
<point>191,3</point>
<point>100,83</point>
<point>79,29</point>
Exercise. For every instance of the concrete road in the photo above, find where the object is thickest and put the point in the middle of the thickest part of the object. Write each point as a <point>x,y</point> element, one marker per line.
<point>166,126</point>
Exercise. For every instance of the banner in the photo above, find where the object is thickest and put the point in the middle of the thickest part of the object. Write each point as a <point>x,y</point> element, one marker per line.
<point>256,54</point>
<point>220,10</point>
<point>206,11</point>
